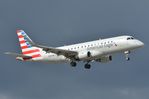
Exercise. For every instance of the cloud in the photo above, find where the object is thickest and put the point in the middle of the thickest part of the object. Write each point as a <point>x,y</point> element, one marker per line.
<point>56,23</point>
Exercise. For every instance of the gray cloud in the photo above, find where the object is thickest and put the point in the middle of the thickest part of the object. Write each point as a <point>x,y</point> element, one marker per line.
<point>55,23</point>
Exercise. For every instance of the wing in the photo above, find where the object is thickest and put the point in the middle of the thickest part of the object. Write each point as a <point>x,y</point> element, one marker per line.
<point>18,55</point>
<point>66,53</point>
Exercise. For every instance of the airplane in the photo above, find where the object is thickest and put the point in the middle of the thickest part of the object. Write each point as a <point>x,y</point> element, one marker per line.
<point>98,50</point>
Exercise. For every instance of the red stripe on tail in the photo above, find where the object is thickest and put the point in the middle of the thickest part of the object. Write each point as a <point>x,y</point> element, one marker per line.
<point>31,51</point>
<point>22,42</point>
<point>24,47</point>
<point>20,36</point>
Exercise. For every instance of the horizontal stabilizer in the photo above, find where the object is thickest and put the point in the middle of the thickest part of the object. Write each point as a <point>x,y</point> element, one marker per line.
<point>18,55</point>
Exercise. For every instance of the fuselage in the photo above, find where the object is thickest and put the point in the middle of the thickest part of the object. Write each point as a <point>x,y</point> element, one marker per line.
<point>101,47</point>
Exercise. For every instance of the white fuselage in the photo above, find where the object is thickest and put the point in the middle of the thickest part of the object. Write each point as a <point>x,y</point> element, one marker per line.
<point>98,48</point>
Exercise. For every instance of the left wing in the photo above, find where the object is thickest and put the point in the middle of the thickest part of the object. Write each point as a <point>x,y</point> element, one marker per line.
<point>66,53</point>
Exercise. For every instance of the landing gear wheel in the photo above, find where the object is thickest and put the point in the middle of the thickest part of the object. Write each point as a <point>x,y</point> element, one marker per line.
<point>127,58</point>
<point>73,64</point>
<point>87,66</point>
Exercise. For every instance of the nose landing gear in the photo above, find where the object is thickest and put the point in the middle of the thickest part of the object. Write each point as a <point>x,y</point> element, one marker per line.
<point>127,55</point>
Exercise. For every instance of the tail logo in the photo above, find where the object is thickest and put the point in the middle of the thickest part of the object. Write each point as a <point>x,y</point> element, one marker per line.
<point>26,46</point>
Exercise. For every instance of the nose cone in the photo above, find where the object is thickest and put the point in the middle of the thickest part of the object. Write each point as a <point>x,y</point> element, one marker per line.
<point>140,44</point>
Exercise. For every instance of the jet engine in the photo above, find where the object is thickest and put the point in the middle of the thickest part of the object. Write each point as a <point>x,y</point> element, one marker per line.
<point>88,54</point>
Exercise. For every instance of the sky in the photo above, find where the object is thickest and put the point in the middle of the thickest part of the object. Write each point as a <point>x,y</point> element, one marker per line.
<point>62,22</point>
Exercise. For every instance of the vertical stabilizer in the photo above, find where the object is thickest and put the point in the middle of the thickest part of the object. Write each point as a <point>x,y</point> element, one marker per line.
<point>26,45</point>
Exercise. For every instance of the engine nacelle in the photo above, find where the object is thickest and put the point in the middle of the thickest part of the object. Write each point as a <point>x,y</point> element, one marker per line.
<point>105,59</point>
<point>88,54</point>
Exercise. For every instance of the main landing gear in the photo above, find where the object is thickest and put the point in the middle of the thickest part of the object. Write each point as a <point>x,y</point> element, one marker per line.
<point>127,55</point>
<point>86,66</point>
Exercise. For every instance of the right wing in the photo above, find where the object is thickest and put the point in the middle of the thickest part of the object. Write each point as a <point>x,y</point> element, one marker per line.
<point>18,55</point>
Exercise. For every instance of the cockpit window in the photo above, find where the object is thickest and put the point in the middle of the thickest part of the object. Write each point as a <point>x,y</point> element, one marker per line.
<point>130,38</point>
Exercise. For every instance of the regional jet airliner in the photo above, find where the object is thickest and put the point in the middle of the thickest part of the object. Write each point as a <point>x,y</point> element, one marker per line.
<point>98,50</point>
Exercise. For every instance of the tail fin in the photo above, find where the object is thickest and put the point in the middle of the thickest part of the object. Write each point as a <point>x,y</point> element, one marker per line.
<point>27,45</point>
